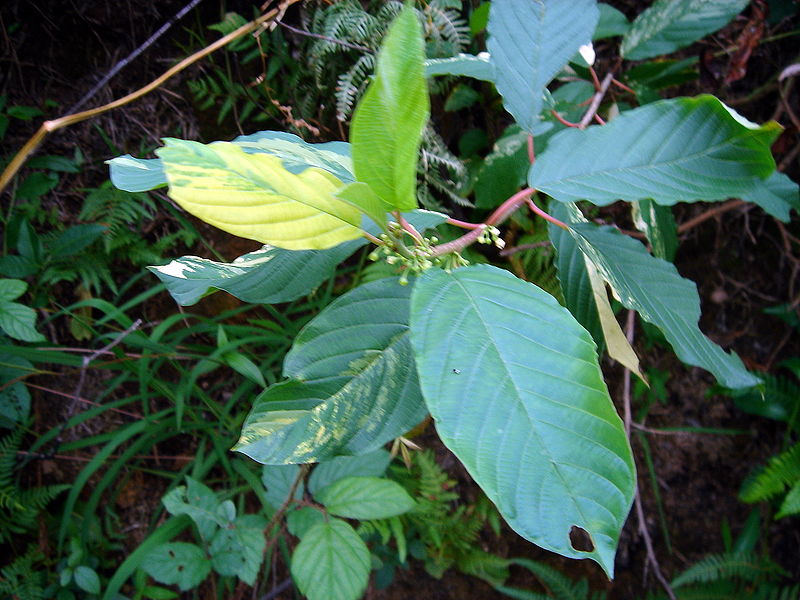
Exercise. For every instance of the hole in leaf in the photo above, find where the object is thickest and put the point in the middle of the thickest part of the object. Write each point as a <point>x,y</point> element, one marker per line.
<point>580,539</point>
<point>171,554</point>
<point>180,568</point>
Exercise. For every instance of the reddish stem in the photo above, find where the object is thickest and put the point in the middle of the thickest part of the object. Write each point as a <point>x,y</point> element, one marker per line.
<point>464,224</point>
<point>599,119</point>
<point>622,86</point>
<point>509,206</point>
<point>544,215</point>
<point>408,227</point>
<point>595,79</point>
<point>531,153</point>
<point>459,244</point>
<point>562,120</point>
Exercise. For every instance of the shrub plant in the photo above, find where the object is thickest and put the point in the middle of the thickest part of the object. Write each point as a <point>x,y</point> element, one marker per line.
<point>510,376</point>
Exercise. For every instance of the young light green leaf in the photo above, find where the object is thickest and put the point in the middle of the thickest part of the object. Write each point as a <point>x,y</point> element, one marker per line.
<point>198,502</point>
<point>677,150</point>
<point>365,498</point>
<point>87,579</point>
<point>372,464</point>
<point>389,120</point>
<point>331,562</point>
<point>363,197</point>
<point>529,43</point>
<point>777,195</point>
<point>358,387</point>
<point>278,481</point>
<point>476,66</point>
<point>654,289</point>
<point>11,289</point>
<point>177,563</point>
<point>239,548</point>
<point>668,25</point>
<point>254,196</point>
<point>19,321</point>
<point>526,411</point>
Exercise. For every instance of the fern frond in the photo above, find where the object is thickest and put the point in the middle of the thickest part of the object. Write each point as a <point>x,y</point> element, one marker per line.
<point>716,567</point>
<point>780,471</point>
<point>791,503</point>
<point>351,85</point>
<point>20,579</point>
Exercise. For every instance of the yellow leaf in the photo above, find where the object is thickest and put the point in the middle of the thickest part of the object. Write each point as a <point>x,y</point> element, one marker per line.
<point>254,196</point>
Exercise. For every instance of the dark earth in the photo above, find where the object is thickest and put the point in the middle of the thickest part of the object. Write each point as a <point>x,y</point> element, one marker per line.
<point>742,260</point>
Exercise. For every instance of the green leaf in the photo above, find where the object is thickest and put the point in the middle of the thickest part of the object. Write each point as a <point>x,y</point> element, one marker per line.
<point>777,195</point>
<point>244,366</point>
<point>668,25</point>
<point>361,196</point>
<point>677,150</point>
<point>791,503</point>
<point>389,120</point>
<point>177,563</point>
<point>15,400</point>
<point>358,387</point>
<point>654,289</point>
<point>468,65</point>
<point>266,276</point>
<point>611,23</point>
<point>239,548</point>
<point>19,322</point>
<point>154,592</point>
<point>658,224</point>
<point>331,562</point>
<point>87,579</point>
<point>503,171</point>
<point>529,43</point>
<point>299,521</point>
<point>75,239</point>
<point>136,174</point>
<point>526,411</point>
<point>198,502</point>
<point>254,196</point>
<point>278,480</point>
<point>372,464</point>
<point>11,289</point>
<point>365,498</point>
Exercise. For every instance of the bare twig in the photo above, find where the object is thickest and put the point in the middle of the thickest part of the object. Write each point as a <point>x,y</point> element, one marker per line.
<point>596,100</point>
<point>718,210</point>
<point>325,37</point>
<point>523,247</point>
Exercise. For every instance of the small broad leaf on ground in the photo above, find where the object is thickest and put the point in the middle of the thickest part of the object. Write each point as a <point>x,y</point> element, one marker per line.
<point>654,289</point>
<point>87,579</point>
<point>668,25</point>
<point>372,464</point>
<point>365,498</point>
<point>239,548</point>
<point>354,385</point>
<point>278,481</point>
<point>177,563</point>
<point>524,409</point>
<point>677,150</point>
<point>388,122</point>
<point>529,43</point>
<point>255,196</point>
<point>331,562</point>
<point>197,501</point>
<point>299,521</point>
<point>19,322</point>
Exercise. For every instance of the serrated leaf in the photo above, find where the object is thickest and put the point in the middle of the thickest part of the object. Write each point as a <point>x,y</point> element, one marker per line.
<point>239,548</point>
<point>677,150</point>
<point>372,464</point>
<point>11,289</point>
<point>177,563</point>
<point>19,322</point>
<point>389,120</point>
<point>668,25</point>
<point>476,66</point>
<point>525,410</point>
<point>777,195</point>
<point>365,498</point>
<point>197,501</point>
<point>363,197</point>
<point>359,385</point>
<point>75,239</point>
<point>278,481</point>
<point>654,289</point>
<point>299,521</point>
<point>331,562</point>
<point>87,579</point>
<point>254,196</point>
<point>529,43</point>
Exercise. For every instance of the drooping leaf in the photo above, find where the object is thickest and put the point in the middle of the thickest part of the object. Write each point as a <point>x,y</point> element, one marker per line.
<point>238,549</point>
<point>514,387</point>
<point>658,224</point>
<point>476,66</point>
<point>177,563</point>
<point>365,498</point>
<point>611,23</point>
<point>11,289</point>
<point>278,481</point>
<point>254,196</point>
<point>668,25</point>
<point>677,150</point>
<point>19,322</point>
<point>372,464</point>
<point>354,384</point>
<point>654,289</point>
<point>331,562</point>
<point>389,120</point>
<point>529,43</point>
<point>777,195</point>
<point>299,521</point>
<point>136,174</point>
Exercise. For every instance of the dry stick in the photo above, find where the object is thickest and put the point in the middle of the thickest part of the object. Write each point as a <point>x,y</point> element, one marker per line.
<point>125,61</point>
<point>730,205</point>
<point>596,100</point>
<point>50,126</point>
<point>637,501</point>
<point>326,38</point>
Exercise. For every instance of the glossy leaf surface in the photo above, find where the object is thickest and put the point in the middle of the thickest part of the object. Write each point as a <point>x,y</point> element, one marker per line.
<point>354,383</point>
<point>678,150</point>
<point>777,195</point>
<point>654,289</point>
<point>389,120</point>
<point>365,498</point>
<point>331,562</point>
<point>514,387</point>
<point>529,42</point>
<point>668,25</point>
<point>477,66</point>
<point>372,464</point>
<point>254,196</point>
